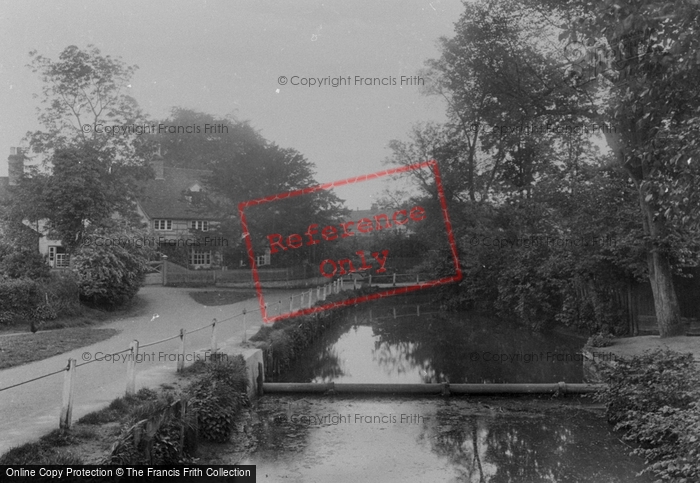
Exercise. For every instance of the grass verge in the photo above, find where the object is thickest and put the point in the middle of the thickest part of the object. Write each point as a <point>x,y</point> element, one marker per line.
<point>24,348</point>
<point>221,297</point>
<point>145,429</point>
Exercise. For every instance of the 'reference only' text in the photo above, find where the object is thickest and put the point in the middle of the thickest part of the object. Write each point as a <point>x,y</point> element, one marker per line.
<point>329,267</point>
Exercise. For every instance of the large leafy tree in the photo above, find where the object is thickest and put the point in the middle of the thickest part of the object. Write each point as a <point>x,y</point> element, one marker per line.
<point>265,169</point>
<point>93,155</point>
<point>504,95</point>
<point>243,165</point>
<point>644,56</point>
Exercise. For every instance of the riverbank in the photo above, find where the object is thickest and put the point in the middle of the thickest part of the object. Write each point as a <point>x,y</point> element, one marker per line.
<point>635,346</point>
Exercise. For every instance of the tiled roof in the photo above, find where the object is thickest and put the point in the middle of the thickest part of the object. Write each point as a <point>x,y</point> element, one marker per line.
<point>164,198</point>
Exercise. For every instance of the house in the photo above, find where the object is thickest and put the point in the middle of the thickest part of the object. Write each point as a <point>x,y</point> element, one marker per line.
<point>54,252</point>
<point>176,210</point>
<point>174,207</point>
<point>356,215</point>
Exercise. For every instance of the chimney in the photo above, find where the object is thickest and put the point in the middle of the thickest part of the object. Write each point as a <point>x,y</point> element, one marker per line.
<point>15,166</point>
<point>158,164</point>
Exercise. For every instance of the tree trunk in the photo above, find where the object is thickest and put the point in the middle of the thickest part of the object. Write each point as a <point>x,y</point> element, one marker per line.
<point>666,306</point>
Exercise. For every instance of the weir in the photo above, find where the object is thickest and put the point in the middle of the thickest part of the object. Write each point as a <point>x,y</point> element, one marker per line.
<point>445,389</point>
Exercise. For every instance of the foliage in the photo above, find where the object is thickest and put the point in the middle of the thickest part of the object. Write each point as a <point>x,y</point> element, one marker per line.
<point>655,400</point>
<point>218,395</point>
<point>109,275</point>
<point>600,340</point>
<point>152,432</point>
<point>18,263</point>
<point>17,299</point>
<point>25,300</point>
<point>91,164</point>
<point>83,96</point>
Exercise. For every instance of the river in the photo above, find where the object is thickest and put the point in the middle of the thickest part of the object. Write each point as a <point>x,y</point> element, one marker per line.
<point>302,438</point>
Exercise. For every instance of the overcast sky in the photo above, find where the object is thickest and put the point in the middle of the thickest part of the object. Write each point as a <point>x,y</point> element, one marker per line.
<point>226,57</point>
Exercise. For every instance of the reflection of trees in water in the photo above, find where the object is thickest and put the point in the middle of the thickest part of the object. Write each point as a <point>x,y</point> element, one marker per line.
<point>487,449</point>
<point>320,361</point>
<point>440,348</point>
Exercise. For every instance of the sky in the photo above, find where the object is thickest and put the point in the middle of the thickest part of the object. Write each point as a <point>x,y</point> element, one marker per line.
<point>227,57</point>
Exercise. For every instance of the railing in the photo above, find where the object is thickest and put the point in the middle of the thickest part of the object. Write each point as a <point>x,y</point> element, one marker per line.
<point>305,300</point>
<point>65,420</point>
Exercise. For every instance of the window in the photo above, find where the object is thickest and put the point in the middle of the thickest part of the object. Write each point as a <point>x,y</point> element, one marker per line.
<point>200,225</point>
<point>200,257</point>
<point>163,224</point>
<point>58,258</point>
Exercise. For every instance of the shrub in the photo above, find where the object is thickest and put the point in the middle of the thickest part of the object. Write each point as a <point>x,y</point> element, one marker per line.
<point>218,395</point>
<point>60,292</point>
<point>599,340</point>
<point>18,297</point>
<point>109,275</point>
<point>23,263</point>
<point>23,300</point>
<point>655,400</point>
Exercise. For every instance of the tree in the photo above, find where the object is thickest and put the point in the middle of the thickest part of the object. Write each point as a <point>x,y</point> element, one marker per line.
<point>83,100</point>
<point>645,55</point>
<point>504,95</point>
<point>262,170</point>
<point>196,140</point>
<point>89,145</point>
<point>244,165</point>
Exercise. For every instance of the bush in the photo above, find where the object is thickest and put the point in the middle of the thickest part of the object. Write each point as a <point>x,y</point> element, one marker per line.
<point>218,395</point>
<point>23,263</point>
<point>61,294</point>
<point>599,340</point>
<point>18,299</point>
<point>23,300</point>
<point>655,400</point>
<point>109,275</point>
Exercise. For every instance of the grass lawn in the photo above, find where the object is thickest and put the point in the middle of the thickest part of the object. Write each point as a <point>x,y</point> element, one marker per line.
<point>20,349</point>
<point>221,297</point>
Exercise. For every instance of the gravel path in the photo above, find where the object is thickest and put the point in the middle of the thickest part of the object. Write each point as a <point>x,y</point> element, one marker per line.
<point>33,409</point>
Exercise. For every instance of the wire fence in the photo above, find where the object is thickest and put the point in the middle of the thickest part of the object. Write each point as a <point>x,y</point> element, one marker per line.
<point>300,301</point>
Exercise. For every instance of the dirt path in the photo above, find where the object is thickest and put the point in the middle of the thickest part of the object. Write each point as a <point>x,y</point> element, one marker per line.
<point>33,409</point>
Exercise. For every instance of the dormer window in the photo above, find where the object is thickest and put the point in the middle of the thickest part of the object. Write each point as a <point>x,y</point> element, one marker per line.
<point>200,225</point>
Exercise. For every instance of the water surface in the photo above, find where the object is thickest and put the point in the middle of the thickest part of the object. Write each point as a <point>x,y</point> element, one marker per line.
<point>399,341</point>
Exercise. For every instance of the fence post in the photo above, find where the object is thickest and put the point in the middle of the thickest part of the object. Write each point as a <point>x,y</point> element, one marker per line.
<point>67,406</point>
<point>165,270</point>
<point>311,293</point>
<point>341,284</point>
<point>245,327</point>
<point>279,307</point>
<point>394,281</point>
<point>131,368</point>
<point>318,293</point>
<point>370,280</point>
<point>324,291</point>
<point>354,283</point>
<point>213,337</point>
<point>291,300</point>
<point>181,359</point>
<point>417,279</point>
